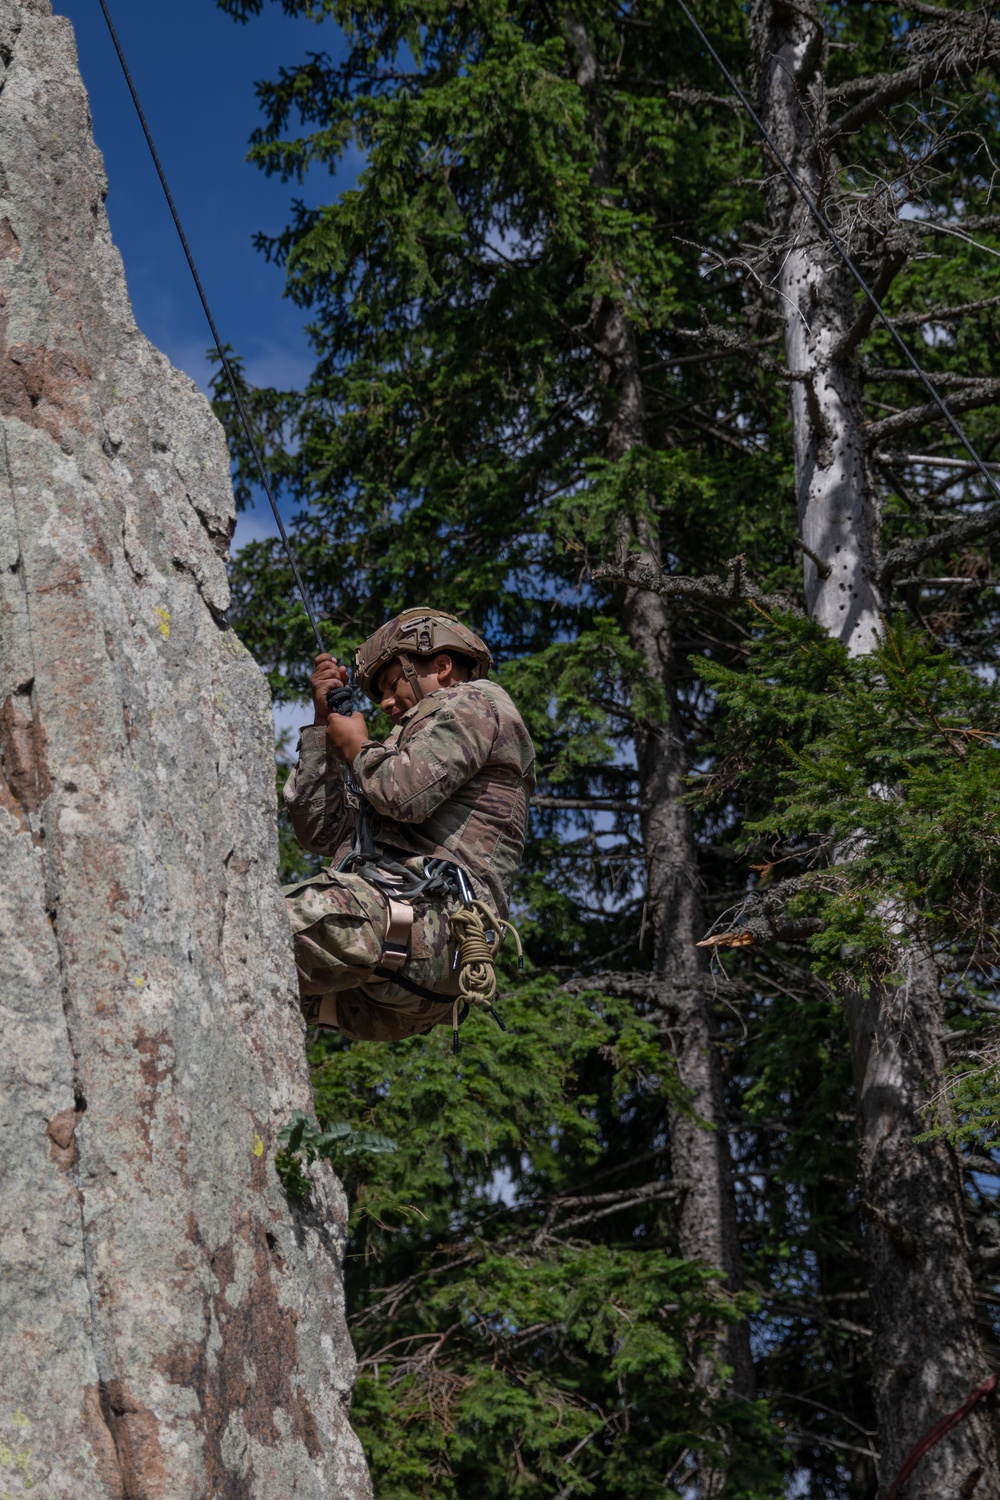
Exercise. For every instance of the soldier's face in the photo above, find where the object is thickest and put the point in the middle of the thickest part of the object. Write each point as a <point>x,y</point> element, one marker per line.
<point>396,696</point>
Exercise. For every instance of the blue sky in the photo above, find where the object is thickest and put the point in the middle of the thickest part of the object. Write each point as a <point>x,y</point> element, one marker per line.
<point>195,70</point>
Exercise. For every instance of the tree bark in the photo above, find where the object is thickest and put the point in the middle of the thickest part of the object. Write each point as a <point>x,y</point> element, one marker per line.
<point>170,1328</point>
<point>699,1144</point>
<point>927,1355</point>
<point>837,506</point>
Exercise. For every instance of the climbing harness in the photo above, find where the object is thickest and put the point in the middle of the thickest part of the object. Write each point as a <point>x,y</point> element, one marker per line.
<point>842,252</point>
<point>339,700</point>
<point>473,927</point>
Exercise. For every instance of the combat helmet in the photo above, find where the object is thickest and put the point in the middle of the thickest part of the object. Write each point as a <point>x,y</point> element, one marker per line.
<point>417,632</point>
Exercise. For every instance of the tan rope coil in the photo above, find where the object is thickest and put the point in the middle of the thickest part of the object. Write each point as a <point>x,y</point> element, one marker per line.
<point>477,980</point>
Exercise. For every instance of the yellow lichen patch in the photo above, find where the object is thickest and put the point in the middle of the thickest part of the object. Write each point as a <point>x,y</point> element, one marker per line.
<point>22,1420</point>
<point>6,1457</point>
<point>162,614</point>
<point>258,1146</point>
<point>139,981</point>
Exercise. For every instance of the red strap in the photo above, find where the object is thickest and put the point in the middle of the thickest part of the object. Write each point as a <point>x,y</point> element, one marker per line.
<point>937,1432</point>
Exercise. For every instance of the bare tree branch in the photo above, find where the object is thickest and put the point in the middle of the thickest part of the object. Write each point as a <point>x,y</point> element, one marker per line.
<point>734,589</point>
<point>945,379</point>
<point>931,461</point>
<point>587,804</point>
<point>942,314</point>
<point>956,49</point>
<point>634,984</point>
<point>924,8</point>
<point>728,341</point>
<point>982,394</point>
<point>910,554</point>
<point>703,96</point>
<point>894,262</point>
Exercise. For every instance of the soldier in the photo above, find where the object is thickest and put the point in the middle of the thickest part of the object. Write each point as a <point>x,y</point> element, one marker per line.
<point>425,831</point>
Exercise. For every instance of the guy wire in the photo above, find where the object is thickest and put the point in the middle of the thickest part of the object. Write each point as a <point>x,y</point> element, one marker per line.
<point>227,367</point>
<point>842,251</point>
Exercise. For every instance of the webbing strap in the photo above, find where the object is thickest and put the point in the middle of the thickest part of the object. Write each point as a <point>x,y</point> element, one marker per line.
<point>410,673</point>
<point>396,944</point>
<point>405,983</point>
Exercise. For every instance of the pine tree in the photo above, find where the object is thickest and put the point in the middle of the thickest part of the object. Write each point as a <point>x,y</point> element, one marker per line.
<point>550,388</point>
<point>911,1194</point>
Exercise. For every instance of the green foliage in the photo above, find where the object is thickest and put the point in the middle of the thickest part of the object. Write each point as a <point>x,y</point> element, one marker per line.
<point>458,440</point>
<point>968,1113</point>
<point>521,1326</point>
<point>302,1142</point>
<point>882,790</point>
<point>880,809</point>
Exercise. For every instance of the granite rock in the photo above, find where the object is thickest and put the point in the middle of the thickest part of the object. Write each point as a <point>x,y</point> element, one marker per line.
<point>171,1328</point>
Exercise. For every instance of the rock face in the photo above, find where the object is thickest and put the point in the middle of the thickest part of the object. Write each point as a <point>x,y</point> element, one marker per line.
<point>170,1329</point>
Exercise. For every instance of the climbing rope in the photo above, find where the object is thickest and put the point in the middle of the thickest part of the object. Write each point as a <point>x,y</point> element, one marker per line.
<point>477,980</point>
<point>339,699</point>
<point>470,925</point>
<point>939,1430</point>
<point>842,252</point>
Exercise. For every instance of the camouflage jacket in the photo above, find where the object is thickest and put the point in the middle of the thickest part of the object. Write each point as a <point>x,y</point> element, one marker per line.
<point>453,780</point>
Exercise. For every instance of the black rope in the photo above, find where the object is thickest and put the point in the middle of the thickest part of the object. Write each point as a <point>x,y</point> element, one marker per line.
<point>227,367</point>
<point>843,253</point>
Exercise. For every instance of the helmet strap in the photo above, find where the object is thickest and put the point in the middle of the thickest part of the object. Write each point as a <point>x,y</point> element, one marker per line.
<point>409,672</point>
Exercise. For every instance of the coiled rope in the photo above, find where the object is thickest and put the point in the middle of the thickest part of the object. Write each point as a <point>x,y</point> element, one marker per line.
<point>476,959</point>
<point>477,979</point>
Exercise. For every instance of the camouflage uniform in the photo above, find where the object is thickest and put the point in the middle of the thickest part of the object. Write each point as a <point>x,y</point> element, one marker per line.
<point>452,781</point>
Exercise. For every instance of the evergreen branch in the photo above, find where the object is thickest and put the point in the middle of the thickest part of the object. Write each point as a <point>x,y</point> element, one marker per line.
<point>982,393</point>
<point>734,589</point>
<point>909,554</point>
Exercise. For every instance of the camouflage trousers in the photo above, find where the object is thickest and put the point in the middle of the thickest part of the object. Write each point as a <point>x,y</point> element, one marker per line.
<point>339,924</point>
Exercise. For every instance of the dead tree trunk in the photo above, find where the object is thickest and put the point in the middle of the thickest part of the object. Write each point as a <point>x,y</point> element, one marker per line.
<point>926,1350</point>
<point>170,1329</point>
<point>699,1147</point>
